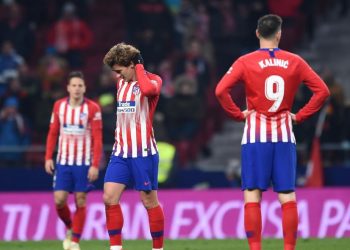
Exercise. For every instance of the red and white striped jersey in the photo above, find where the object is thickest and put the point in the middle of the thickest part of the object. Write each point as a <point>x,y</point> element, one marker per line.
<point>80,133</point>
<point>136,103</point>
<point>262,128</point>
<point>271,78</point>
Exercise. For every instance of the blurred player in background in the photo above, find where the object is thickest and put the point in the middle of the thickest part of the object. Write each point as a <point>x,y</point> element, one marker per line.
<point>271,77</point>
<point>134,159</point>
<point>77,121</point>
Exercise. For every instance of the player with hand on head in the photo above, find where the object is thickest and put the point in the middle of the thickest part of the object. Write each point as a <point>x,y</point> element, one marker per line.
<point>134,159</point>
<point>77,122</point>
<point>271,77</point>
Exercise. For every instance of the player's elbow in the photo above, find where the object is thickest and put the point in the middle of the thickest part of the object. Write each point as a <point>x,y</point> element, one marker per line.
<point>219,92</point>
<point>325,94</point>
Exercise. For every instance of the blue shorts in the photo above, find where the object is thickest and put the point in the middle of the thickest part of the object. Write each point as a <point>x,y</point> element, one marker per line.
<point>140,172</point>
<point>266,163</point>
<point>71,178</point>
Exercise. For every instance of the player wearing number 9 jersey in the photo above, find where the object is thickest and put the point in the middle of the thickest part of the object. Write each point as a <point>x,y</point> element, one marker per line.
<point>271,77</point>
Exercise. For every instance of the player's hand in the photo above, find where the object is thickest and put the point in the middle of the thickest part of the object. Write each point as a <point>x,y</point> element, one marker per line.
<point>49,167</point>
<point>93,174</point>
<point>137,59</point>
<point>247,112</point>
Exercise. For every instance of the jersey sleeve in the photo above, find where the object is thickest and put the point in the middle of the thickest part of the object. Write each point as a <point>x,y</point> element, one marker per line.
<point>149,86</point>
<point>319,89</point>
<point>96,133</point>
<point>223,89</point>
<point>53,133</point>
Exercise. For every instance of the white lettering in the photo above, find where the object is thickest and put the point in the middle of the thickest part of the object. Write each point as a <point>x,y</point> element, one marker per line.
<point>264,216</point>
<point>179,220</point>
<point>332,214</point>
<point>95,222</point>
<point>219,217</point>
<point>344,225</point>
<point>273,62</point>
<point>203,224</point>
<point>16,212</point>
<point>272,211</point>
<point>304,223</point>
<point>42,222</point>
<point>139,221</point>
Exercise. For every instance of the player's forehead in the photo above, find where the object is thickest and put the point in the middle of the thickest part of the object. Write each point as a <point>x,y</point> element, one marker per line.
<point>76,81</point>
<point>118,68</point>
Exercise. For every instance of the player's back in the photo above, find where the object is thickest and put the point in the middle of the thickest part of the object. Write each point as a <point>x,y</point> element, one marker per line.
<point>271,78</point>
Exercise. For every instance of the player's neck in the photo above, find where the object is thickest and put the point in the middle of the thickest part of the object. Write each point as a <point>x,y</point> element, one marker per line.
<point>266,44</point>
<point>75,102</point>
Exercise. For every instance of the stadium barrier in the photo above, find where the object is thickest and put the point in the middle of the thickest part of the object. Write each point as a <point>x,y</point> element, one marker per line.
<point>189,214</point>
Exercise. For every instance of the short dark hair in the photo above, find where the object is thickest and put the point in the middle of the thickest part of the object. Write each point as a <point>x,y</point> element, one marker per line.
<point>77,74</point>
<point>269,25</point>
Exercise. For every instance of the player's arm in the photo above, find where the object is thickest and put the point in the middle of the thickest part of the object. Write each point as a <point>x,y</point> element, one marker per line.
<point>223,91</point>
<point>51,140</point>
<point>96,134</point>
<point>319,89</point>
<point>148,86</point>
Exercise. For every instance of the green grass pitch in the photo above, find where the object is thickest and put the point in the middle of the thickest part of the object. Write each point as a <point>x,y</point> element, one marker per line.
<point>227,244</point>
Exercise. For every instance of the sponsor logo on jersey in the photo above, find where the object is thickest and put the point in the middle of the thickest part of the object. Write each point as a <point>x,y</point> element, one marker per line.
<point>126,107</point>
<point>70,129</point>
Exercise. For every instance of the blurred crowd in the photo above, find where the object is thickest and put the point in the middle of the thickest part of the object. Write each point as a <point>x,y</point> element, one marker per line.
<point>189,43</point>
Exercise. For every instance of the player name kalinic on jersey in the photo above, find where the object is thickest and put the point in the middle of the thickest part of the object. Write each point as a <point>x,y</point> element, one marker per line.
<point>126,107</point>
<point>273,62</point>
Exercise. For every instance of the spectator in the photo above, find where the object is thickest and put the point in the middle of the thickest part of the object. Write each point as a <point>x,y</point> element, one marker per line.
<point>70,36</point>
<point>194,64</point>
<point>25,102</point>
<point>18,31</point>
<point>150,25</point>
<point>293,20</point>
<point>183,115</point>
<point>52,68</point>
<point>12,131</point>
<point>10,64</point>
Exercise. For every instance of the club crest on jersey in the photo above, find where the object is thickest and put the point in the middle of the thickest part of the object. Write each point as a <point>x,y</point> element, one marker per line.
<point>136,90</point>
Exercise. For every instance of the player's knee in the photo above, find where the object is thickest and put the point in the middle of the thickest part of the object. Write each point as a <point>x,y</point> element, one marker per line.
<point>109,199</point>
<point>81,202</point>
<point>149,202</point>
<point>60,202</point>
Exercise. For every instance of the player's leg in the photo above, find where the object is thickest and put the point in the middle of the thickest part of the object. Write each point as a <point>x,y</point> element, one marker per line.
<point>256,171</point>
<point>78,219</point>
<point>284,177</point>
<point>62,208</point>
<point>63,184</point>
<point>81,186</point>
<point>116,179</point>
<point>155,217</point>
<point>252,218</point>
<point>289,219</point>
<point>64,214</point>
<point>145,172</point>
